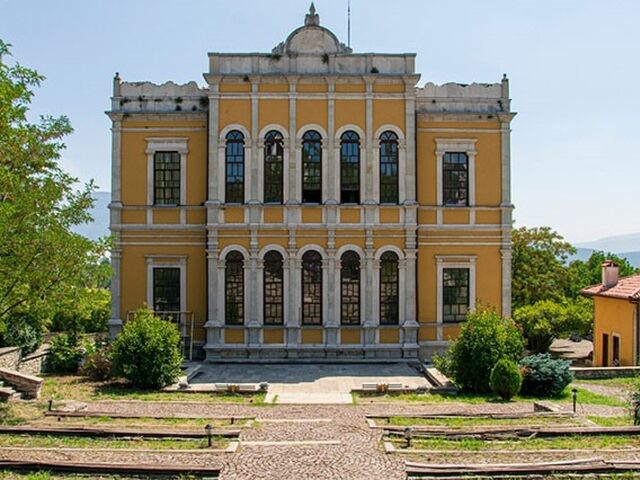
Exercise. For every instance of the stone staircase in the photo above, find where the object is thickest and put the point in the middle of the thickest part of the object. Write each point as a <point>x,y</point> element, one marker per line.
<point>13,382</point>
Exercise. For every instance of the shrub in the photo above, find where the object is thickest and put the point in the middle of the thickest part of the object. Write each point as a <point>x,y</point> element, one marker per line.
<point>99,364</point>
<point>67,352</point>
<point>544,376</point>
<point>484,339</point>
<point>147,351</point>
<point>506,379</point>
<point>24,331</point>
<point>543,321</point>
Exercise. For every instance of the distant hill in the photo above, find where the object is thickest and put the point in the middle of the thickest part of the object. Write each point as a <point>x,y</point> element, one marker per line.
<point>100,213</point>
<point>625,246</point>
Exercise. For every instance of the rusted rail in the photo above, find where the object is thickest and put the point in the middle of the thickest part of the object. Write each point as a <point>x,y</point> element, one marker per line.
<point>119,433</point>
<point>183,416</point>
<point>111,468</point>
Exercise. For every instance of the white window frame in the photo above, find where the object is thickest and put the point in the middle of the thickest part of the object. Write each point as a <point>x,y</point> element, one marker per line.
<point>285,285</point>
<point>456,145</point>
<point>404,181</point>
<point>166,144</point>
<point>285,163</point>
<point>324,163</point>
<point>222,162</point>
<point>222,297</point>
<point>451,261</point>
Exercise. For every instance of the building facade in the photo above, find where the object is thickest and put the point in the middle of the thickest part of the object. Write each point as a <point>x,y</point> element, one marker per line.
<point>616,329</point>
<point>311,203</point>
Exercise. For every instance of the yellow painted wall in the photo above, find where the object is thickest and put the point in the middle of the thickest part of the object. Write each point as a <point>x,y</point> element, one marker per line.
<point>614,316</point>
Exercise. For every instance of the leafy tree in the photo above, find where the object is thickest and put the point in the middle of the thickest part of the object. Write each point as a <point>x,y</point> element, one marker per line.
<point>585,273</point>
<point>540,256</point>
<point>484,339</point>
<point>547,319</point>
<point>41,259</point>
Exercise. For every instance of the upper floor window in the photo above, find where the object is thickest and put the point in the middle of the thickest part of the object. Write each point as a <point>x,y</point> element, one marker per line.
<point>234,169</point>
<point>455,294</point>
<point>234,288</point>
<point>389,289</point>
<point>312,167</point>
<point>350,167</point>
<point>455,179</point>
<point>166,178</point>
<point>350,288</point>
<point>389,167</point>
<point>311,288</point>
<point>273,288</point>
<point>166,289</point>
<point>273,167</point>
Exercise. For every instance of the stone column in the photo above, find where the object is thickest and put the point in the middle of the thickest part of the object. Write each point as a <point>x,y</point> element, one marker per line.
<point>506,254</point>
<point>293,320</point>
<point>409,322</point>
<point>115,323</point>
<point>370,325</point>
<point>332,325</point>
<point>410,136</point>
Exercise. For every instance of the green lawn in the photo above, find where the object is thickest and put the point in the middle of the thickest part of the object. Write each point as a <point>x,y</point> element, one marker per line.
<point>462,422</point>
<point>557,443</point>
<point>42,441</point>
<point>624,421</point>
<point>585,397</point>
<point>82,389</point>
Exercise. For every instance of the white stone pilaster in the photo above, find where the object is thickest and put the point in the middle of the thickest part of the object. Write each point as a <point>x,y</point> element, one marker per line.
<point>115,322</point>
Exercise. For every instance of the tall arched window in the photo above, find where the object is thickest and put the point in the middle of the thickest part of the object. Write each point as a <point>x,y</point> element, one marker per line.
<point>350,167</point>
<point>273,287</point>
<point>312,167</point>
<point>234,289</point>
<point>350,288</point>
<point>389,167</point>
<point>234,169</point>
<point>311,288</point>
<point>273,167</point>
<point>389,288</point>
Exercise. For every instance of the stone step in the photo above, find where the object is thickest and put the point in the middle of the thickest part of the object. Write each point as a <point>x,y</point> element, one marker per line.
<point>8,394</point>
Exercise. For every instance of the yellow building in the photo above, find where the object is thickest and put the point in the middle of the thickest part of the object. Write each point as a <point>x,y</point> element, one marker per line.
<point>311,203</point>
<point>617,318</point>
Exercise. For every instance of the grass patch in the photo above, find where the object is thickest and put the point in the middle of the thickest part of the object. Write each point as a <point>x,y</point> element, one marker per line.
<point>50,441</point>
<point>83,389</point>
<point>18,413</point>
<point>557,443</point>
<point>622,382</point>
<point>462,422</point>
<point>625,421</point>
<point>585,397</point>
<point>186,423</point>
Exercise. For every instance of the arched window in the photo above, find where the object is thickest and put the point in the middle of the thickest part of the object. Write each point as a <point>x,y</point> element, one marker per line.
<point>388,167</point>
<point>273,287</point>
<point>312,167</point>
<point>350,288</point>
<point>234,289</point>
<point>234,171</point>
<point>350,167</point>
<point>273,167</point>
<point>389,288</point>
<point>311,288</point>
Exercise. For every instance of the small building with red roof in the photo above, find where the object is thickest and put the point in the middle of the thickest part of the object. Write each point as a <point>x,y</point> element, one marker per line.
<point>616,329</point>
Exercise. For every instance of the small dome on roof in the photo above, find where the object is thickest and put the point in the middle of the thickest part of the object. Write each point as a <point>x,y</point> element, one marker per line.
<point>311,39</point>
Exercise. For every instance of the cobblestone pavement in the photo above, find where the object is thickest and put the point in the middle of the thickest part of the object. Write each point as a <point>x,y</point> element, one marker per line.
<point>301,442</point>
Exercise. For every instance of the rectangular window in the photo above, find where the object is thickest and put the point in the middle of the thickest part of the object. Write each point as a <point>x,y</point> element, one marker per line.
<point>455,294</point>
<point>166,289</point>
<point>455,181</point>
<point>166,178</point>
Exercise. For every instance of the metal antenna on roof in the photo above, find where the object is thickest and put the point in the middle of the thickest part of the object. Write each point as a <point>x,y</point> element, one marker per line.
<point>349,23</point>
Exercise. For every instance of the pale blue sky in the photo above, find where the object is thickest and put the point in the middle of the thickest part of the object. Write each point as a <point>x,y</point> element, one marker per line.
<point>573,66</point>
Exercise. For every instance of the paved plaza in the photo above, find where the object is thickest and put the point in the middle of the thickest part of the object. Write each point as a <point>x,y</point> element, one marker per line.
<point>312,383</point>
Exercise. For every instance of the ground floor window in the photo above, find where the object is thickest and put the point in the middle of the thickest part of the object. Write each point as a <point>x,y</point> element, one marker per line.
<point>455,294</point>
<point>311,288</point>
<point>166,289</point>
<point>389,289</point>
<point>234,289</point>
<point>350,289</point>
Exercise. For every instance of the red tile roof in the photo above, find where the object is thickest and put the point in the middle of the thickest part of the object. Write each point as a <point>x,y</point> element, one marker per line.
<point>627,288</point>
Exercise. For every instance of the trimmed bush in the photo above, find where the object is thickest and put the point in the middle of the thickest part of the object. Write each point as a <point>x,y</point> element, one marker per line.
<point>544,376</point>
<point>506,379</point>
<point>484,339</point>
<point>67,353</point>
<point>24,331</point>
<point>99,364</point>
<point>147,351</point>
